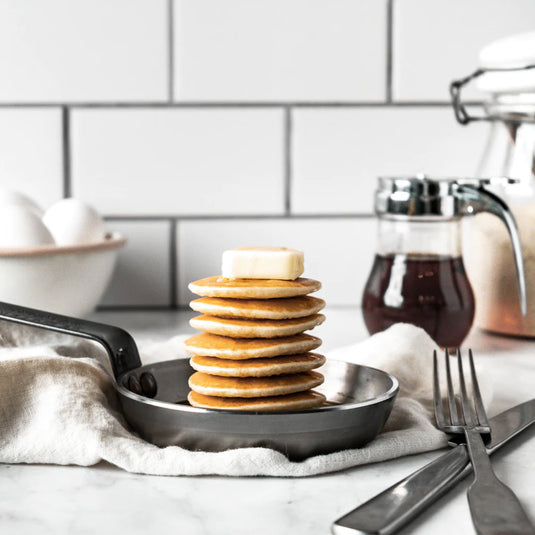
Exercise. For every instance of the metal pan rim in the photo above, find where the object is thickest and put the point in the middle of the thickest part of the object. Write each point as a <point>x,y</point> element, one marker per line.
<point>389,394</point>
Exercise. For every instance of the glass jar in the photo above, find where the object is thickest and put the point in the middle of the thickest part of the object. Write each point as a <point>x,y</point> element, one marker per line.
<point>507,78</point>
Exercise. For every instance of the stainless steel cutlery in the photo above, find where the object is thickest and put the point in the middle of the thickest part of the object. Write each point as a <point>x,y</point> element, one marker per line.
<point>396,506</point>
<point>495,508</point>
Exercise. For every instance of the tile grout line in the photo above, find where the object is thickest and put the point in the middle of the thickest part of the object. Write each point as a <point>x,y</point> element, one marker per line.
<point>233,105</point>
<point>170,46</point>
<point>173,264</point>
<point>389,48</point>
<point>66,147</point>
<point>288,126</point>
<point>255,217</point>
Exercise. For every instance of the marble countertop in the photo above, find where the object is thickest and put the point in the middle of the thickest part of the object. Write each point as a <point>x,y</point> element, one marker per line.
<point>42,499</point>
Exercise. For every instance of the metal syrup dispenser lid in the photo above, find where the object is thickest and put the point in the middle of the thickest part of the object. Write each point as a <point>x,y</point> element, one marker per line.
<point>416,196</point>
<point>448,198</point>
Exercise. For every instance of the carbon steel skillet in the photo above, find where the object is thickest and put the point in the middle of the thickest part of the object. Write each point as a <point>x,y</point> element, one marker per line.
<point>153,398</point>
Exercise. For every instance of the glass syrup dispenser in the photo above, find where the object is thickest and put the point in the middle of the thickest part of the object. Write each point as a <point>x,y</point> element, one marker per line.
<point>418,274</point>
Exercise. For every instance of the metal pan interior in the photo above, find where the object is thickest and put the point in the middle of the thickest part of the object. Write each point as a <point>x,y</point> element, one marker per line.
<point>359,398</point>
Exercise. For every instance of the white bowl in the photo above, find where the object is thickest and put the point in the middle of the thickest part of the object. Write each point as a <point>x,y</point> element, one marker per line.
<point>63,279</point>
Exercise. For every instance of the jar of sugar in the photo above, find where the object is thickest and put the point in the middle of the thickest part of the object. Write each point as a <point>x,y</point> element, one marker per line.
<point>506,78</point>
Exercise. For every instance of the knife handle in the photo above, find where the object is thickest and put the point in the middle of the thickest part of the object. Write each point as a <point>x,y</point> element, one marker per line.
<point>393,508</point>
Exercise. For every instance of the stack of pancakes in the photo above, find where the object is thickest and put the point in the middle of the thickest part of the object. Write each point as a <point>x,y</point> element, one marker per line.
<point>253,353</point>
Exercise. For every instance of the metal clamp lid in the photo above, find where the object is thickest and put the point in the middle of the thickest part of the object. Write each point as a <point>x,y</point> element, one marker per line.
<point>461,113</point>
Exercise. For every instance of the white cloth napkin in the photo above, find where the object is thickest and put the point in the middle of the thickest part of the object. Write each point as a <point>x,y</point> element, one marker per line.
<point>58,405</point>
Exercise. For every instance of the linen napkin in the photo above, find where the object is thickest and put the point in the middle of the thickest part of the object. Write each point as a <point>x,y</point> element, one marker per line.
<point>58,405</point>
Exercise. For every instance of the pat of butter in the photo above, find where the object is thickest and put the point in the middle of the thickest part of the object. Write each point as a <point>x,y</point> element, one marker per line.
<point>263,263</point>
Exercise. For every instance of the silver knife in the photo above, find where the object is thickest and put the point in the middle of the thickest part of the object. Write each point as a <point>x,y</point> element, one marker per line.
<point>390,510</point>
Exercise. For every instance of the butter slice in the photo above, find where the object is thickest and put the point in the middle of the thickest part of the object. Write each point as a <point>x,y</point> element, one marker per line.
<point>263,263</point>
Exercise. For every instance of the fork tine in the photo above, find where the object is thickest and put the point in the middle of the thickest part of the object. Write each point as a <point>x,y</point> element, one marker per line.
<point>465,402</point>
<point>437,396</point>
<point>454,416</point>
<point>478,401</point>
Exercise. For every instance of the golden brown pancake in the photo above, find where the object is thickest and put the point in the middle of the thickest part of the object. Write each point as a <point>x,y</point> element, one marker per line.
<point>253,387</point>
<point>272,309</point>
<point>245,328</point>
<point>212,345</point>
<point>263,367</point>
<point>217,286</point>
<point>290,402</point>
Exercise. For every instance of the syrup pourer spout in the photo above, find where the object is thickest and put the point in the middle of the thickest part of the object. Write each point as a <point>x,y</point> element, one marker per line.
<point>477,199</point>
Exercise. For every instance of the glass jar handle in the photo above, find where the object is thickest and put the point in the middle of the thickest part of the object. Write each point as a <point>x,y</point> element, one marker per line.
<point>478,199</point>
<point>461,113</point>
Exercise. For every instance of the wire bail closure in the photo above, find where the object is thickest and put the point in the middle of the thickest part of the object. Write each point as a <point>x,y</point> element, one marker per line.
<point>461,113</point>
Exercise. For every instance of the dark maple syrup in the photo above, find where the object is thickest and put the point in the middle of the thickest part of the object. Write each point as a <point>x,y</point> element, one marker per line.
<point>430,291</point>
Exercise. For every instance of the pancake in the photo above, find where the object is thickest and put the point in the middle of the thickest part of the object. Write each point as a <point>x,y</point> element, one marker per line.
<point>290,402</point>
<point>240,328</point>
<point>252,387</point>
<point>212,345</point>
<point>217,286</point>
<point>272,309</point>
<point>263,367</point>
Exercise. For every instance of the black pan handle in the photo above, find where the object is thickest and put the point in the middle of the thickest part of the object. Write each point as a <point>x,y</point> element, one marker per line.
<point>119,344</point>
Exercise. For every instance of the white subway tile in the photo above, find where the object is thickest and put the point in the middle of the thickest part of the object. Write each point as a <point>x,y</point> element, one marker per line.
<point>98,50</point>
<point>339,153</point>
<point>142,275</point>
<point>31,153</point>
<point>280,50</point>
<point>339,252</point>
<point>438,41</point>
<point>179,161</point>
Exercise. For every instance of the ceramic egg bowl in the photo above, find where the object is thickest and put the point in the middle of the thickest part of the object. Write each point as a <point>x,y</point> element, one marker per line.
<point>66,280</point>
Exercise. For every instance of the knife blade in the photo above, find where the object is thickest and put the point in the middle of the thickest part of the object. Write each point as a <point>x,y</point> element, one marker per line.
<point>393,508</point>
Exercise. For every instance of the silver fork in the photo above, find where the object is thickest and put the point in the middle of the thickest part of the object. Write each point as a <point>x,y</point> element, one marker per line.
<point>494,507</point>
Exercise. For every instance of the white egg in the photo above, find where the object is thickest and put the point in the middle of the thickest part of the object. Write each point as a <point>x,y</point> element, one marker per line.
<point>12,197</point>
<point>73,222</point>
<point>21,227</point>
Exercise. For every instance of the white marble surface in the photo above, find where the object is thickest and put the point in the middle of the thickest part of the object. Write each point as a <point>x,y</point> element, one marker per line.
<point>104,499</point>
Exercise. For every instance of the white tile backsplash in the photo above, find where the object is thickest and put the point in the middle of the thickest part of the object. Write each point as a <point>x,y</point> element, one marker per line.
<point>142,274</point>
<point>31,152</point>
<point>339,153</point>
<point>179,161</point>
<point>438,41</point>
<point>339,252</point>
<point>98,50</point>
<point>273,50</point>
<point>237,122</point>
